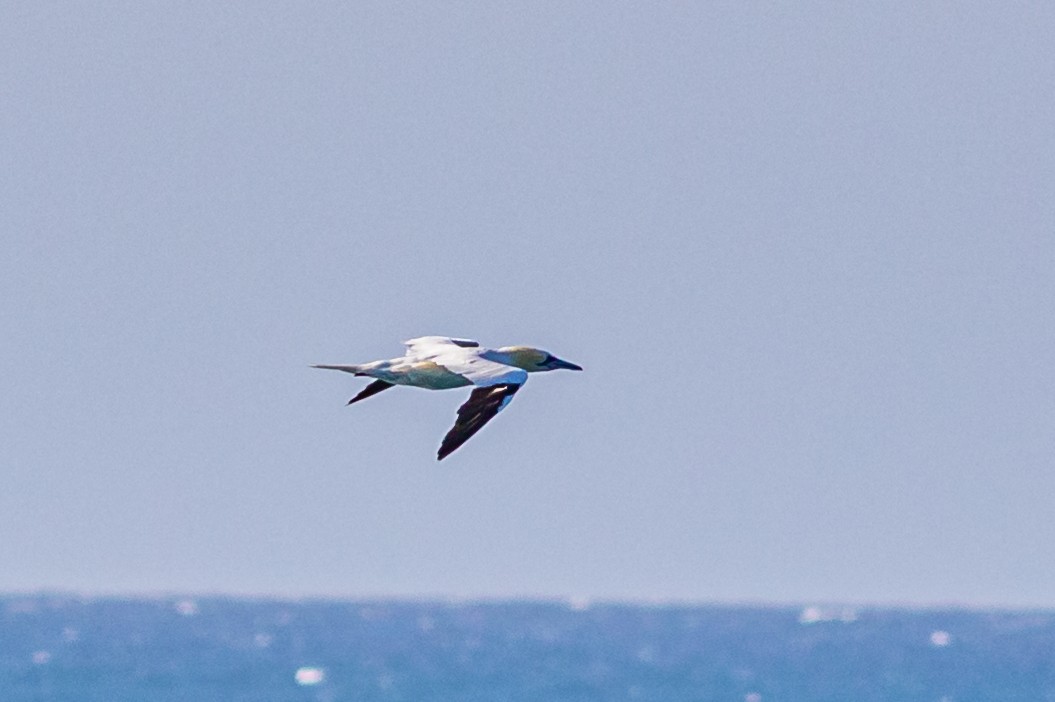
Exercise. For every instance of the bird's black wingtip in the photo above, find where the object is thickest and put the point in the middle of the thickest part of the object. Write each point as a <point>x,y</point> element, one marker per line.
<point>371,390</point>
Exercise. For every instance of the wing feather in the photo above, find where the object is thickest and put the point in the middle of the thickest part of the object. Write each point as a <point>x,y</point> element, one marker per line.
<point>371,390</point>
<point>483,405</point>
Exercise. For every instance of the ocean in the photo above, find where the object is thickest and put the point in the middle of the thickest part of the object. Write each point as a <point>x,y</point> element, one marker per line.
<point>187,649</point>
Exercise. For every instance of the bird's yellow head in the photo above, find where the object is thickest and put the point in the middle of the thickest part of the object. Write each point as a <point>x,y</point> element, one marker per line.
<point>533,360</point>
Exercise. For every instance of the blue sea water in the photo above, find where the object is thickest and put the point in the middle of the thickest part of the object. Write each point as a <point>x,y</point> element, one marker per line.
<point>75,649</point>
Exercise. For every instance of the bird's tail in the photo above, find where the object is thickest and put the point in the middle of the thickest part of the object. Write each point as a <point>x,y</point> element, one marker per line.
<point>357,370</point>
<point>371,389</point>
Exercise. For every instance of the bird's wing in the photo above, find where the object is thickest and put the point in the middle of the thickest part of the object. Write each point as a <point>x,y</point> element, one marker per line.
<point>496,383</point>
<point>483,404</point>
<point>427,344</point>
<point>371,390</point>
<point>480,371</point>
<point>463,357</point>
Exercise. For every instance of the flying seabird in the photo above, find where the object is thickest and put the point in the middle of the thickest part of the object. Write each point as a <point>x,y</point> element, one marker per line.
<point>441,363</point>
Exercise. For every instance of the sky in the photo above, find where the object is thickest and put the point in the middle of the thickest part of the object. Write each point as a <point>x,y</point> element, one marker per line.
<point>804,252</point>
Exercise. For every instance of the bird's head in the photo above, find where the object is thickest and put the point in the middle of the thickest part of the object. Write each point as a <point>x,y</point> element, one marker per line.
<point>533,360</point>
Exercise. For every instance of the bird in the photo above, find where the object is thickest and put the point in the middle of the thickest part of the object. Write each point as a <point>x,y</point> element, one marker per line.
<point>443,362</point>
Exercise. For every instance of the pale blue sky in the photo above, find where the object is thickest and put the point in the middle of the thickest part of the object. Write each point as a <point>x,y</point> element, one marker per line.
<point>805,253</point>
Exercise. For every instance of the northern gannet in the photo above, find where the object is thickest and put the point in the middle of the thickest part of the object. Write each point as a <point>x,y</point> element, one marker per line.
<point>441,363</point>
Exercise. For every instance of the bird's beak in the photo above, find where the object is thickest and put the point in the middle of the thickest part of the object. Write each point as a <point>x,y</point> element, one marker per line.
<point>557,364</point>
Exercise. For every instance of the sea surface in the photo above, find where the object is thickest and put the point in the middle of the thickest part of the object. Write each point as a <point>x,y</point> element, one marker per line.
<point>76,649</point>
